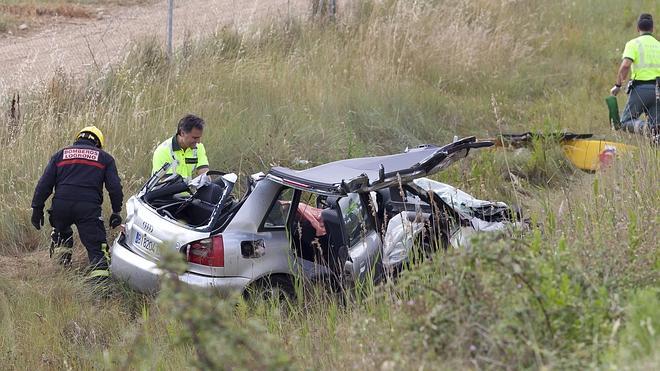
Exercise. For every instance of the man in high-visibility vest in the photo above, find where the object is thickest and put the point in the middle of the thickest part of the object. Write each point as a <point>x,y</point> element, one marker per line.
<point>184,150</point>
<point>641,57</point>
<point>78,173</point>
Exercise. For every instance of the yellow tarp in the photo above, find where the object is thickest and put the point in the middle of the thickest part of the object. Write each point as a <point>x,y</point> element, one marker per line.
<point>592,154</point>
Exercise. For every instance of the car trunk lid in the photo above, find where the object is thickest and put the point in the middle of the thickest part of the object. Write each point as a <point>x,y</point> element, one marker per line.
<point>149,235</point>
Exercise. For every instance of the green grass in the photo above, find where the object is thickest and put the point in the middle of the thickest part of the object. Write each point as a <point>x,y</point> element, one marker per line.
<point>575,292</point>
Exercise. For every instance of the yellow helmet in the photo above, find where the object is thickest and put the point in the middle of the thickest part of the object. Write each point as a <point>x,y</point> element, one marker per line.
<point>93,133</point>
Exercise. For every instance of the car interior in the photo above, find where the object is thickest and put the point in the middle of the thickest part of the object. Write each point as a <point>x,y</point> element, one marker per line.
<point>315,231</point>
<point>173,198</point>
<point>439,217</point>
<point>317,234</point>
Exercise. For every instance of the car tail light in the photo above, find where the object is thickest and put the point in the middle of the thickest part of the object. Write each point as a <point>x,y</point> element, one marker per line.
<point>209,252</point>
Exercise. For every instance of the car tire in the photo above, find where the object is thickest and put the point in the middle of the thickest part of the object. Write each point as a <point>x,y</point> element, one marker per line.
<point>275,286</point>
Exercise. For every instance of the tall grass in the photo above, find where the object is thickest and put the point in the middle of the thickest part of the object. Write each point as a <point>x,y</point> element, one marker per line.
<point>382,76</point>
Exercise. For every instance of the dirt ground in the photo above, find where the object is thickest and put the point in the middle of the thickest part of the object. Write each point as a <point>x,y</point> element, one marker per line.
<point>80,45</point>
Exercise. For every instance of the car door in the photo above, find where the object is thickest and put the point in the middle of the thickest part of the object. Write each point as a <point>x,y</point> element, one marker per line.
<point>363,241</point>
<point>260,234</point>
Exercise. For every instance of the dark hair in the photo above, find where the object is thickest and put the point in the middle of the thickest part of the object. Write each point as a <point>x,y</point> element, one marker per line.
<point>645,22</point>
<point>189,122</point>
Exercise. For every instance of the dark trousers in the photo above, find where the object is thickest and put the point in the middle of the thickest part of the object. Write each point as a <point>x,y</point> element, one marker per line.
<point>641,100</point>
<point>86,216</point>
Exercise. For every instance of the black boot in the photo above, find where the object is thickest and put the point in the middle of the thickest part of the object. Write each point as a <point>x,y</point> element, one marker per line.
<point>61,246</point>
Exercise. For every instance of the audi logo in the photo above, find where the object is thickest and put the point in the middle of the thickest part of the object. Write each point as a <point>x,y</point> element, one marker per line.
<point>147,227</point>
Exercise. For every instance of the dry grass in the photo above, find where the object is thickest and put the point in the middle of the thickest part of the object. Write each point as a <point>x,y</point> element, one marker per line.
<point>386,75</point>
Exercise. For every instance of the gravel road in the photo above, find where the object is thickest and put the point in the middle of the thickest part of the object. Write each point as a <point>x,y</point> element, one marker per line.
<point>78,46</point>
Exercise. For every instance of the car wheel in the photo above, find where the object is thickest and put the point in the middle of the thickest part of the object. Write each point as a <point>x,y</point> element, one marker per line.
<point>271,287</point>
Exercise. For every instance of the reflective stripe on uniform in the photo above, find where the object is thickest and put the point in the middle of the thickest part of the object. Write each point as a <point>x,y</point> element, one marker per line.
<point>99,273</point>
<point>642,57</point>
<point>175,162</point>
<point>195,157</point>
<point>106,252</point>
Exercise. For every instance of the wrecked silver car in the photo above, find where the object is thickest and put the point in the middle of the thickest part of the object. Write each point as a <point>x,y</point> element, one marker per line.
<point>325,223</point>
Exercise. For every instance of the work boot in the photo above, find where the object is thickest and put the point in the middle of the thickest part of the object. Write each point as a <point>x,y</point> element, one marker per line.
<point>98,277</point>
<point>99,280</point>
<point>99,270</point>
<point>61,247</point>
<point>63,255</point>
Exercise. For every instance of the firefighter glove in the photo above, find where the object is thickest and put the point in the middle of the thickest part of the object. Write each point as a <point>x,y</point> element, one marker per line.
<point>37,218</point>
<point>615,90</point>
<point>115,220</point>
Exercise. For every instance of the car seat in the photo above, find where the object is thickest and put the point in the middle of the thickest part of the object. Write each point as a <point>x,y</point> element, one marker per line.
<point>210,193</point>
<point>303,237</point>
<point>204,201</point>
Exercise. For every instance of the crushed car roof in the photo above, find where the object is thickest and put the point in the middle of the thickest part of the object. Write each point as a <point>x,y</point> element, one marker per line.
<point>370,173</point>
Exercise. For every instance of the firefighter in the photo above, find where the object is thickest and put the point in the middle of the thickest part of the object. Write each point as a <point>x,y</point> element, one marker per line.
<point>641,57</point>
<point>78,173</point>
<point>185,150</point>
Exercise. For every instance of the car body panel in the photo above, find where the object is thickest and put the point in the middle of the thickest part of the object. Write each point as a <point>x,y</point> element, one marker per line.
<point>144,224</point>
<point>276,258</point>
<point>367,246</point>
<point>144,275</point>
<point>249,217</point>
<point>363,255</point>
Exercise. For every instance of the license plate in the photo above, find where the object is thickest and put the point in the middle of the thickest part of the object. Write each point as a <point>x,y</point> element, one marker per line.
<point>145,243</point>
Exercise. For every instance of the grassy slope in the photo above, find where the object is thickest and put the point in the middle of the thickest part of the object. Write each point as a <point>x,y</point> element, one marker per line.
<point>383,77</point>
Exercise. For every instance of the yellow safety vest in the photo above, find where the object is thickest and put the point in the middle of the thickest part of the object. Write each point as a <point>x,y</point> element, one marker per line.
<point>644,52</point>
<point>185,162</point>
